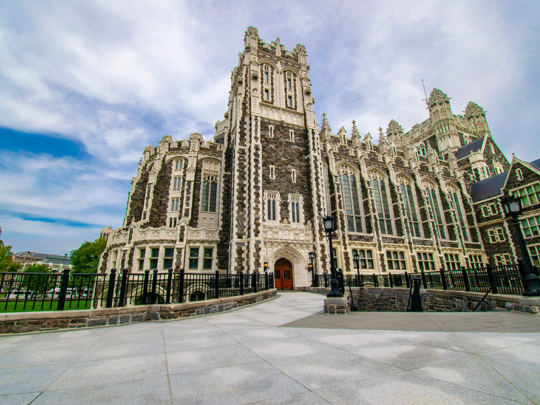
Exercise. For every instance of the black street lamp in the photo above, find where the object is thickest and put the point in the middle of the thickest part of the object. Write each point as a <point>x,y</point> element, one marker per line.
<point>356,260</point>
<point>329,228</point>
<point>311,268</point>
<point>512,208</point>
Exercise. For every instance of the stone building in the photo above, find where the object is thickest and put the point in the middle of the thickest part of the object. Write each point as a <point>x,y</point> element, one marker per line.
<point>256,193</point>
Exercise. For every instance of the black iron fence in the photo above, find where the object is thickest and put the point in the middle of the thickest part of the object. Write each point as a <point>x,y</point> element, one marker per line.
<point>66,290</point>
<point>506,279</point>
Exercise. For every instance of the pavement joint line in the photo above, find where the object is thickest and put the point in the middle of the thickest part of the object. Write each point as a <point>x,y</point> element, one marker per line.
<point>75,361</point>
<point>167,366</point>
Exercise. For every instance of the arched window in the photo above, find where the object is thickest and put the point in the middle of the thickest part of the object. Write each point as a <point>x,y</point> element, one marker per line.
<point>458,209</point>
<point>382,203</point>
<point>351,199</point>
<point>266,74</point>
<point>410,205</point>
<point>431,196</point>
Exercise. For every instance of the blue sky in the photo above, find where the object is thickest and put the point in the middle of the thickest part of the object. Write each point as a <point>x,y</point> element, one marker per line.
<point>87,85</point>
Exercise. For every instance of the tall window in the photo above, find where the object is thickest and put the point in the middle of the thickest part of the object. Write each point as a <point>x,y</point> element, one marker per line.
<point>266,74</point>
<point>209,194</point>
<point>289,81</point>
<point>293,175</point>
<point>266,95</point>
<point>535,254</point>
<point>410,208</point>
<point>175,202</point>
<point>291,135</point>
<point>352,202</point>
<point>177,182</point>
<point>178,164</point>
<point>456,205</point>
<point>289,101</point>
<point>295,204</point>
<point>271,131</point>
<point>382,204</point>
<point>272,205</point>
<point>431,196</point>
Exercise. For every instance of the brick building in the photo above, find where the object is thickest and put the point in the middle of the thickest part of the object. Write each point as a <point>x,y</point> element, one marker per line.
<point>256,193</point>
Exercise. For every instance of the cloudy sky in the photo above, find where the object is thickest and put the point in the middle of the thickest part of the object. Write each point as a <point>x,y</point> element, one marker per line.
<point>86,85</point>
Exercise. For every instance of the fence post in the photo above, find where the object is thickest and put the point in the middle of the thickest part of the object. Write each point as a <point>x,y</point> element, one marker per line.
<point>217,284</point>
<point>123,285</point>
<point>491,278</point>
<point>424,282</point>
<point>407,280</point>
<point>254,282</point>
<point>390,281</point>
<point>241,282</point>
<point>443,280</point>
<point>266,280</point>
<point>361,280</point>
<point>169,285</point>
<point>181,286</point>
<point>325,281</point>
<point>465,279</point>
<point>110,291</point>
<point>63,289</point>
<point>154,287</point>
<point>145,285</point>
<point>375,280</point>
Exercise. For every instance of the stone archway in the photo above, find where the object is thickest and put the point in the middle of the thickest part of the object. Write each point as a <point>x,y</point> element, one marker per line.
<point>298,262</point>
<point>283,275</point>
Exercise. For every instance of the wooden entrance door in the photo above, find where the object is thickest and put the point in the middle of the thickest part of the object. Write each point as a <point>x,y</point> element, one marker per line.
<point>283,275</point>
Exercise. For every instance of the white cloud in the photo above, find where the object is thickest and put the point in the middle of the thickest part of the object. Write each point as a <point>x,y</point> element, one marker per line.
<point>117,76</point>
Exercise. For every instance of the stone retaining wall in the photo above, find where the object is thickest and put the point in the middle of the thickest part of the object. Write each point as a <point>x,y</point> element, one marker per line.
<point>21,322</point>
<point>397,299</point>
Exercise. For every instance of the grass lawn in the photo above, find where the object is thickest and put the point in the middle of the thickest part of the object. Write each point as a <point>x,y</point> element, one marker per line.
<point>43,306</point>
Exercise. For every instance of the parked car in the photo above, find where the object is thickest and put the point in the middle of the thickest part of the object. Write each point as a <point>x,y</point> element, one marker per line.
<point>55,293</point>
<point>21,295</point>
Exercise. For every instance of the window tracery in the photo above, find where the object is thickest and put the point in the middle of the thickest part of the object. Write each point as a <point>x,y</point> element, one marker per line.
<point>430,193</point>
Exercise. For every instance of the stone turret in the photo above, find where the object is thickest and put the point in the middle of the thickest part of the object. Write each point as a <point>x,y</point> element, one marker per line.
<point>477,117</point>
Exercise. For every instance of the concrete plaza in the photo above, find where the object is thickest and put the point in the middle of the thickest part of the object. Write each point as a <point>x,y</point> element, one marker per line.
<point>281,352</point>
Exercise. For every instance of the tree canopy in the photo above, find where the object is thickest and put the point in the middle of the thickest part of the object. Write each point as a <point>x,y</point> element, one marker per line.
<point>6,257</point>
<point>85,259</point>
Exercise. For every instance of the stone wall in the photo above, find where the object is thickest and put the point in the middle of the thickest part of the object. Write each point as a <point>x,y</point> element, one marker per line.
<point>22,322</point>
<point>396,300</point>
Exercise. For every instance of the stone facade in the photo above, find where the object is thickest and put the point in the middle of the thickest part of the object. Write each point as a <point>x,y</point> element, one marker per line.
<point>256,193</point>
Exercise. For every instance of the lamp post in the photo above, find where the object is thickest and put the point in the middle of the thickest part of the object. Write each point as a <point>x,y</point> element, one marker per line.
<point>329,228</point>
<point>356,260</point>
<point>310,268</point>
<point>512,208</point>
<point>265,266</point>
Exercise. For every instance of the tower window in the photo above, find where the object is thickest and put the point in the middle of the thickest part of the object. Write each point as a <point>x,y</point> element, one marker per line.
<point>271,131</point>
<point>177,182</point>
<point>291,135</point>
<point>272,205</point>
<point>175,202</point>
<point>178,164</point>
<point>289,101</point>
<point>266,95</point>
<point>266,75</point>
<point>293,175</point>
<point>272,172</point>
<point>172,222</point>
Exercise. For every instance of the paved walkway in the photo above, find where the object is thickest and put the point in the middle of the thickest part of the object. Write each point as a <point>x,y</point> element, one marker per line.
<point>244,357</point>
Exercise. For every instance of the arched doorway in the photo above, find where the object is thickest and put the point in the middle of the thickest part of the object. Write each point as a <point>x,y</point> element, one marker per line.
<point>283,275</point>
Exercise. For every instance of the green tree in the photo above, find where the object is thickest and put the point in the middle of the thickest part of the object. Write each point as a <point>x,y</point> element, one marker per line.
<point>85,259</point>
<point>34,282</point>
<point>6,257</point>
